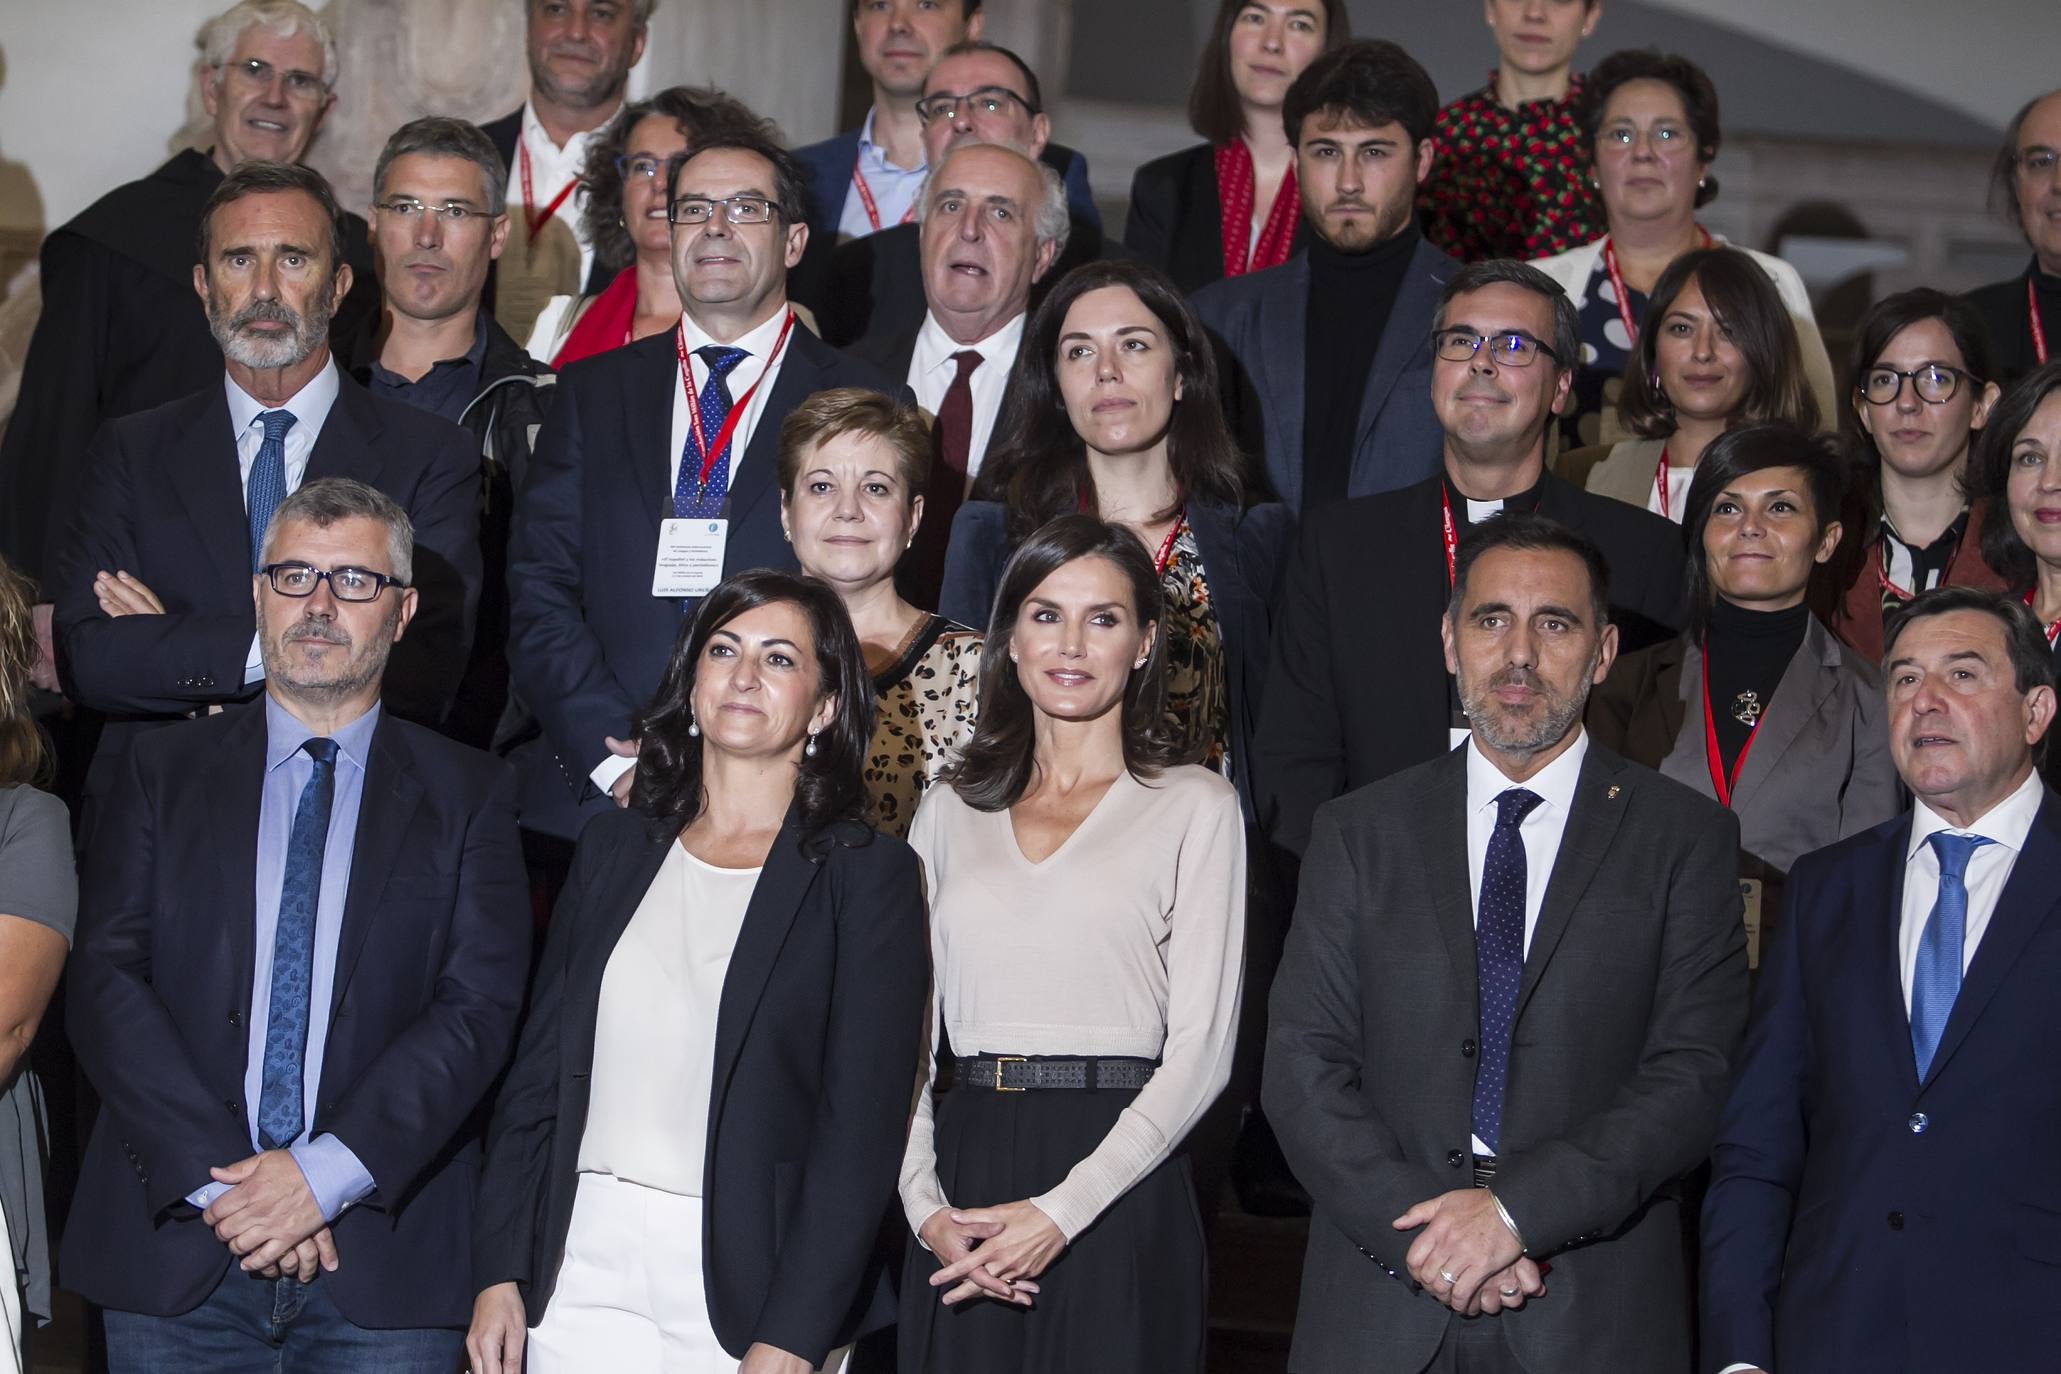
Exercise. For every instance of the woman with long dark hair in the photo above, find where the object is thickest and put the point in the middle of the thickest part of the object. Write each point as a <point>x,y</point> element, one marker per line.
<point>1230,205</point>
<point>1716,351</point>
<point>695,1149</point>
<point>1924,386</point>
<point>2016,472</point>
<point>1087,893</point>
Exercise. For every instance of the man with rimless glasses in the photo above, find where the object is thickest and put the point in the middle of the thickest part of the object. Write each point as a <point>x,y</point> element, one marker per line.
<point>1358,688</point>
<point>2024,313</point>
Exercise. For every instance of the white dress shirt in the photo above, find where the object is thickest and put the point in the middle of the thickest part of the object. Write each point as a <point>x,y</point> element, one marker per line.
<point>931,371</point>
<point>551,169</point>
<point>2006,824</point>
<point>894,188</point>
<point>1540,830</point>
<point>309,407</point>
<point>1678,480</point>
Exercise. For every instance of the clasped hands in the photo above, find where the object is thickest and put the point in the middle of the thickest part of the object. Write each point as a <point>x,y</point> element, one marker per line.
<point>270,1219</point>
<point>121,594</point>
<point>992,1252</point>
<point>1466,1257</point>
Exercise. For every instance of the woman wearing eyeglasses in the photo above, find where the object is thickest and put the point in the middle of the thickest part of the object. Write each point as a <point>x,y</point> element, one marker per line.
<point>1923,389</point>
<point>626,181</point>
<point>1650,130</point>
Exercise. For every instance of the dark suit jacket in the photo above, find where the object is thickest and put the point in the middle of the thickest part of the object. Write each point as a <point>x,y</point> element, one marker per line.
<point>588,642</point>
<point>1177,217</point>
<point>2002,307</point>
<point>1242,553</point>
<point>505,133</point>
<point>1858,1219</point>
<point>430,967</point>
<point>1632,1000</point>
<point>1357,687</point>
<point>816,1039</point>
<point>1261,320</point>
<point>163,499</point>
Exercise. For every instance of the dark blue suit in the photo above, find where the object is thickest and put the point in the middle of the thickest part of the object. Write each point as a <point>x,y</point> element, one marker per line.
<point>830,178</point>
<point>1859,1219</point>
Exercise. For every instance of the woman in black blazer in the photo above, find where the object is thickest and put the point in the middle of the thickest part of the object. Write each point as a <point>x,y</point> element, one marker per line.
<point>696,1149</point>
<point>1230,206</point>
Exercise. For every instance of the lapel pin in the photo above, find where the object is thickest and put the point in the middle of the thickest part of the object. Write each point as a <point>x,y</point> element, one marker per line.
<point>1612,793</point>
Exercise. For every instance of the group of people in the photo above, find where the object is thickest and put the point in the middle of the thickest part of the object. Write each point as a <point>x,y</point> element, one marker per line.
<point>897,737</point>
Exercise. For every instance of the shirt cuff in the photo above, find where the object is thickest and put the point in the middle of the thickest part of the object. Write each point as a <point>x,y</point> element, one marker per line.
<point>611,768</point>
<point>254,663</point>
<point>334,1175</point>
<point>204,1197</point>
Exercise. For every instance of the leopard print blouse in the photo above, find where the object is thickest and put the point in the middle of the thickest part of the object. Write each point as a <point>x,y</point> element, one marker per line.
<point>927,706</point>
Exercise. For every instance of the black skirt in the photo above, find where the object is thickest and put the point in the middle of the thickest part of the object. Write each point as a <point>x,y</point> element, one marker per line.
<point>1129,1295</point>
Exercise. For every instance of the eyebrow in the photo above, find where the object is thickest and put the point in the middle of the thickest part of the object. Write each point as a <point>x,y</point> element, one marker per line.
<point>943,191</point>
<point>1370,141</point>
<point>247,250</point>
<point>1098,606</point>
<point>1505,608</point>
<point>1120,331</point>
<point>710,195</point>
<point>868,472</point>
<point>1958,656</point>
<point>1771,491</point>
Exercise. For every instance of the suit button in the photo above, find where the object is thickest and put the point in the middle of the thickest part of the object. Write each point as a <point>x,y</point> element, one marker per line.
<point>1467,1049</point>
<point>234,1110</point>
<point>1456,1158</point>
<point>1896,1221</point>
<point>1919,1121</point>
<point>235,1018</point>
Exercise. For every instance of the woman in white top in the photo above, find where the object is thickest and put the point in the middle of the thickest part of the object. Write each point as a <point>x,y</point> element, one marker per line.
<point>694,1152</point>
<point>1649,127</point>
<point>1087,925</point>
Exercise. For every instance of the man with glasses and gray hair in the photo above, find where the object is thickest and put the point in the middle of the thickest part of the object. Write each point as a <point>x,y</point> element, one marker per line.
<point>2024,313</point>
<point>302,953</point>
<point>120,331</point>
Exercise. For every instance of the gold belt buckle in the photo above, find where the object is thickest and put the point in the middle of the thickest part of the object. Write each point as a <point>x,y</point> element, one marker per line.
<point>1000,1060</point>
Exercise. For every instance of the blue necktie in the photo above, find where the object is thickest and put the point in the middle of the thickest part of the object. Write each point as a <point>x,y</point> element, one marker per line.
<point>1936,981</point>
<point>281,1114</point>
<point>1499,956</point>
<point>692,499</point>
<point>267,480</point>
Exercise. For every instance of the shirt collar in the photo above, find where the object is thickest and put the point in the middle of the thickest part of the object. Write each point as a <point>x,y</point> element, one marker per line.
<point>871,151</point>
<point>2007,823</point>
<point>533,130</point>
<point>285,734</point>
<point>934,347</point>
<point>1554,784</point>
<point>758,343</point>
<point>310,405</point>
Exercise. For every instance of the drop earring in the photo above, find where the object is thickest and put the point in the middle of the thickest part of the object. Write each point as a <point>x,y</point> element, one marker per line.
<point>693,728</point>
<point>809,749</point>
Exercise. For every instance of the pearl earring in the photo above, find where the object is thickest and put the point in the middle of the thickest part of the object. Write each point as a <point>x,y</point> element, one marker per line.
<point>693,728</point>
<point>809,749</point>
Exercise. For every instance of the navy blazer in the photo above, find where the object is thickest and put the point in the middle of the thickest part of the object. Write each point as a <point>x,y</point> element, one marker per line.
<point>817,1034</point>
<point>830,164</point>
<point>1261,320</point>
<point>431,961</point>
<point>1242,554</point>
<point>1859,1219</point>
<point>588,643</point>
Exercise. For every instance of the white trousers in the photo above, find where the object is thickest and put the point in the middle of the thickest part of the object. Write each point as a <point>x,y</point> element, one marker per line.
<point>630,1297</point>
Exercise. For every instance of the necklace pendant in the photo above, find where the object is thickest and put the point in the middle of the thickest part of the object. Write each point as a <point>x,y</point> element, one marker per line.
<point>1746,708</point>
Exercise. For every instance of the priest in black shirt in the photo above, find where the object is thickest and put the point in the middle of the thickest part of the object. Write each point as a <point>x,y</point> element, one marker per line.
<point>122,329</point>
<point>1330,364</point>
<point>1357,686</point>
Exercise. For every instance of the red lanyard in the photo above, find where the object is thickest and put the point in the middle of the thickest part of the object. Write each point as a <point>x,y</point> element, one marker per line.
<point>1882,576</point>
<point>1624,297</point>
<point>2039,329</point>
<point>1452,535</point>
<point>1720,782</point>
<point>866,200</point>
<point>2053,626</point>
<point>708,452</point>
<point>1660,484</point>
<point>1166,545</point>
<point>536,219</point>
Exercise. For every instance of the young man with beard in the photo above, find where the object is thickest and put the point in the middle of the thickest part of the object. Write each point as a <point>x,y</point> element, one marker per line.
<point>154,618</point>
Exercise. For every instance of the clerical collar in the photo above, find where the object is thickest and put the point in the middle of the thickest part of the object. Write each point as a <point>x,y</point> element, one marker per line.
<point>1387,256</point>
<point>1478,511</point>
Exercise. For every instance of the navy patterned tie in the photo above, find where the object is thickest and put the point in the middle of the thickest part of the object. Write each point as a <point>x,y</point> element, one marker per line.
<point>267,480</point>
<point>1936,978</point>
<point>1499,956</point>
<point>281,1113</point>
<point>694,499</point>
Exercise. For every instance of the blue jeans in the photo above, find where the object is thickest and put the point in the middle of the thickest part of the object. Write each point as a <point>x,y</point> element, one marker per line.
<point>272,1326</point>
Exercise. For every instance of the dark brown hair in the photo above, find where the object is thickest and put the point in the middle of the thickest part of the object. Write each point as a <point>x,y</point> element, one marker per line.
<point>2025,639</point>
<point>790,179</point>
<point>1734,454</point>
<point>1989,474</point>
<point>1214,110</point>
<point>24,756</point>
<point>1746,304</point>
<point>1369,79</point>
<point>1040,469</point>
<point>860,410</point>
<point>260,178</point>
<point>1699,102</point>
<point>997,764</point>
<point>697,112</point>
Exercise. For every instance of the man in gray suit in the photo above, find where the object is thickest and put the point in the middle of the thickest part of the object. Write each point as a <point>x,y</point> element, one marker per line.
<point>1330,353</point>
<point>1504,1024</point>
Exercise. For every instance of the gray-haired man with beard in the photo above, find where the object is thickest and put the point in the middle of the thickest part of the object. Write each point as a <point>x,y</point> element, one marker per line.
<point>1503,1028</point>
<point>154,616</point>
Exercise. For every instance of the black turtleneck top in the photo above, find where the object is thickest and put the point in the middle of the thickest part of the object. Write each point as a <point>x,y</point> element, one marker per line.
<point>1747,651</point>
<point>1351,295</point>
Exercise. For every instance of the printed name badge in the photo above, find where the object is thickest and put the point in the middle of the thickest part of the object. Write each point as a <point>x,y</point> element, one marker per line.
<point>690,557</point>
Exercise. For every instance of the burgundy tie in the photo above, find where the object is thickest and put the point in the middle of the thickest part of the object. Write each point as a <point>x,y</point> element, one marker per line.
<point>924,566</point>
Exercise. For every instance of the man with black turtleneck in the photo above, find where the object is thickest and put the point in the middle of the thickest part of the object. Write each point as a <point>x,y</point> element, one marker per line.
<point>1330,369</point>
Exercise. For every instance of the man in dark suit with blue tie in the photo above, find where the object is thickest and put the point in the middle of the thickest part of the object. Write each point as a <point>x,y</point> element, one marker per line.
<point>302,949</point>
<point>653,479</point>
<point>1884,1196</point>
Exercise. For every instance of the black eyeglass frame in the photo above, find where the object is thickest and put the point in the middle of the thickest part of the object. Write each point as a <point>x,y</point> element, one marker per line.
<point>935,106</point>
<point>380,581</point>
<point>1954,375</point>
<point>773,211</point>
<point>1440,336</point>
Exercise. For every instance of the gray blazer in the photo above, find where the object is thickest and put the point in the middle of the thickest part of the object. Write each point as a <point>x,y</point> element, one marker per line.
<point>1630,1010</point>
<point>1261,319</point>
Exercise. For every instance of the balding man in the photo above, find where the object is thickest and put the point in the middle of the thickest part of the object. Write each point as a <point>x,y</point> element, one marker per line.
<point>2024,313</point>
<point>993,222</point>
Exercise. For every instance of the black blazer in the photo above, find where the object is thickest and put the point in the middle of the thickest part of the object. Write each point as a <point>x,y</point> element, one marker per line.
<point>504,133</point>
<point>163,499</point>
<point>1357,687</point>
<point>1177,217</point>
<point>817,1038</point>
<point>1242,554</point>
<point>588,642</point>
<point>431,961</point>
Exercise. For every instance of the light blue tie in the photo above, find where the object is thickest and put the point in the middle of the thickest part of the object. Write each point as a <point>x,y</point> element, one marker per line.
<point>282,1116</point>
<point>267,479</point>
<point>1936,981</point>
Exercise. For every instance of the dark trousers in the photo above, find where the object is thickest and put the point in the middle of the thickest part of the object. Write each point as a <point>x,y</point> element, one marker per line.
<point>272,1326</point>
<point>1474,1345</point>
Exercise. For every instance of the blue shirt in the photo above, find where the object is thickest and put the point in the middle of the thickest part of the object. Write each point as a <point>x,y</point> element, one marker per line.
<point>894,189</point>
<point>334,1174</point>
<point>449,386</point>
